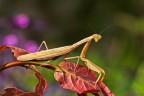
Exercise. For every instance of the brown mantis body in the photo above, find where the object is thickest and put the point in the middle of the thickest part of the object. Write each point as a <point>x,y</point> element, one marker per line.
<point>52,54</point>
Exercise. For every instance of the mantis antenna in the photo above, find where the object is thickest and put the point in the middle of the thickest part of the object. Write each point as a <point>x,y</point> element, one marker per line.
<point>105,29</point>
<point>102,30</point>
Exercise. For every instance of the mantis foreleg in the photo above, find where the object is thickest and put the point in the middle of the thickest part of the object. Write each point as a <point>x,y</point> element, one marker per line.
<point>89,64</point>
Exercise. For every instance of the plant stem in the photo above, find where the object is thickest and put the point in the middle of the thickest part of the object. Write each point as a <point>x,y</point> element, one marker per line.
<point>23,63</point>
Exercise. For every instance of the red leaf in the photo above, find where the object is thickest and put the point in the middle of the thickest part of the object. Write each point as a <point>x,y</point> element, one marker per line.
<point>2,48</point>
<point>16,92</point>
<point>104,89</point>
<point>76,78</point>
<point>42,85</point>
<point>80,79</point>
<point>17,51</point>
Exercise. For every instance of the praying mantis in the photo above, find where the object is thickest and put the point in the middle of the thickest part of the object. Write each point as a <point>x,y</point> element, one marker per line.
<point>52,54</point>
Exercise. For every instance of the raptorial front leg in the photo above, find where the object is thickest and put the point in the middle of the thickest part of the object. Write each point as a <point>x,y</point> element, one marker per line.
<point>95,68</point>
<point>91,65</point>
<point>43,42</point>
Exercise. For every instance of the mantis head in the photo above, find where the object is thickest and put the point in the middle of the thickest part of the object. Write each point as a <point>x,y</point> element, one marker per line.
<point>97,37</point>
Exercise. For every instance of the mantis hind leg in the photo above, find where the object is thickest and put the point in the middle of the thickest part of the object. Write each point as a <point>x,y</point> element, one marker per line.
<point>91,65</point>
<point>43,43</point>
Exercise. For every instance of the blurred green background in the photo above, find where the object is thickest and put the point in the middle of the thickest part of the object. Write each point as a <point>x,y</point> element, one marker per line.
<point>26,23</point>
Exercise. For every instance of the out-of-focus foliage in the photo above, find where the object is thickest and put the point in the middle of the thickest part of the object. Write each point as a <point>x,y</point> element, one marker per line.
<point>26,23</point>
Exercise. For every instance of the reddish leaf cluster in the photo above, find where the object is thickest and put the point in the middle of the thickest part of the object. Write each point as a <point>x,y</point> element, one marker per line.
<point>80,79</point>
<point>40,87</point>
<point>70,75</point>
<point>16,92</point>
<point>76,78</point>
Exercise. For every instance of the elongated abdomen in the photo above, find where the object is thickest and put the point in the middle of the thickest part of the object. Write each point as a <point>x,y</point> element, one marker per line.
<point>46,54</point>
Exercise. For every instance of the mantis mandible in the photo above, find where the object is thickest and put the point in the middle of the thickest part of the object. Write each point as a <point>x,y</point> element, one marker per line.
<point>52,54</point>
